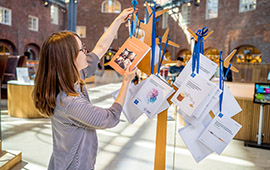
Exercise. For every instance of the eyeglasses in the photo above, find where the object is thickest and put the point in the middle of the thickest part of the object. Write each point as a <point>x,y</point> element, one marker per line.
<point>83,49</point>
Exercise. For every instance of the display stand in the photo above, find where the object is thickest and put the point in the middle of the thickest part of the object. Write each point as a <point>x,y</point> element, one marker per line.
<point>161,133</point>
<point>259,143</point>
<point>161,139</point>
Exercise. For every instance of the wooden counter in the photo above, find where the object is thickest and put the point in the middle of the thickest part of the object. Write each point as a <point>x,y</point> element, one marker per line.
<point>20,103</point>
<point>249,116</point>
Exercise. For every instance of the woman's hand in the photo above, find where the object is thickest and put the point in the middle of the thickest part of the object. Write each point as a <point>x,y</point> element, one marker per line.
<point>126,14</point>
<point>129,75</point>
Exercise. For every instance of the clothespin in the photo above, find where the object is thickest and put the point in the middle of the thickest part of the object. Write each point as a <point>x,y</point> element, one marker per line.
<point>227,61</point>
<point>164,39</point>
<point>193,34</point>
<point>134,3</point>
<point>196,37</point>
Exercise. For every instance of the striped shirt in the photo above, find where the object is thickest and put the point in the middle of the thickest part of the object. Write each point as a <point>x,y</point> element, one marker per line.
<point>74,125</point>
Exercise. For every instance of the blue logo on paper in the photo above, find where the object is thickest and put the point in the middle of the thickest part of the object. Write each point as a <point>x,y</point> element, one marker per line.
<point>136,101</point>
<point>220,115</point>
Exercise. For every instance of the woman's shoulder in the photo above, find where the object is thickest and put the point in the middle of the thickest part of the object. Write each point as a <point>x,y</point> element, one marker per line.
<point>63,100</point>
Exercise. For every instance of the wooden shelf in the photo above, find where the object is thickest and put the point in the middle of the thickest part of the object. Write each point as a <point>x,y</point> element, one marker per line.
<point>9,159</point>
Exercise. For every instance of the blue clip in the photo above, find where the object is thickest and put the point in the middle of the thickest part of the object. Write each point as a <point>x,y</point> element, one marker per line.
<point>136,101</point>
<point>134,3</point>
<point>193,75</point>
<point>220,115</point>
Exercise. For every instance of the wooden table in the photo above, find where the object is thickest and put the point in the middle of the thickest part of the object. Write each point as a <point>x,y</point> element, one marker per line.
<point>249,116</point>
<point>20,102</point>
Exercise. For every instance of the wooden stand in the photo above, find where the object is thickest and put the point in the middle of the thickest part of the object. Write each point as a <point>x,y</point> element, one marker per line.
<point>144,66</point>
<point>161,139</point>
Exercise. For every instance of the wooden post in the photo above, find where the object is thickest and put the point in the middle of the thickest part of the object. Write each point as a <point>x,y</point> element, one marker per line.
<point>161,139</point>
<point>161,133</point>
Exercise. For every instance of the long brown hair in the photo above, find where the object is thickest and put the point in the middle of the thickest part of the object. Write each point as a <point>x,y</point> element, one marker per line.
<point>56,70</point>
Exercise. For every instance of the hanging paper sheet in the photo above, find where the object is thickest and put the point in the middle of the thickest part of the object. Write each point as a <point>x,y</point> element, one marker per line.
<point>197,122</point>
<point>131,112</point>
<point>190,137</point>
<point>207,70</point>
<point>152,96</point>
<point>219,133</point>
<point>192,93</point>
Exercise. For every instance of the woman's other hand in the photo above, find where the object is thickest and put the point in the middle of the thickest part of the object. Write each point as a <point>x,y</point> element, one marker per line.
<point>129,74</point>
<point>126,14</point>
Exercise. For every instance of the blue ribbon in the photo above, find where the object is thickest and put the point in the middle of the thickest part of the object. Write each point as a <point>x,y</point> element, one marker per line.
<point>129,29</point>
<point>161,59</point>
<point>221,81</point>
<point>153,39</point>
<point>134,3</point>
<point>132,26</point>
<point>198,48</point>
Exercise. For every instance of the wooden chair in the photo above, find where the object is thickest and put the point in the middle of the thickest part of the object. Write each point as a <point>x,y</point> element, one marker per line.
<point>10,72</point>
<point>22,61</point>
<point>3,64</point>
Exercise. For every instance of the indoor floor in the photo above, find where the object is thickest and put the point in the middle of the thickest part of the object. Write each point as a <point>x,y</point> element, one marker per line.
<point>126,146</point>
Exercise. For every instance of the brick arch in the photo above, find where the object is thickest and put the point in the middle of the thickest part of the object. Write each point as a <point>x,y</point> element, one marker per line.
<point>206,50</point>
<point>12,48</point>
<point>246,45</point>
<point>186,57</point>
<point>181,52</point>
<point>212,53</point>
<point>31,50</point>
<point>241,50</point>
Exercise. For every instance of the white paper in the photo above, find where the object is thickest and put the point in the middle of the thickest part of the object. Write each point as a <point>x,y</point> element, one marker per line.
<point>214,89</point>
<point>163,106</point>
<point>229,104</point>
<point>198,122</point>
<point>131,112</point>
<point>190,137</point>
<point>152,95</point>
<point>22,74</point>
<point>207,70</point>
<point>157,51</point>
<point>192,92</point>
<point>219,133</point>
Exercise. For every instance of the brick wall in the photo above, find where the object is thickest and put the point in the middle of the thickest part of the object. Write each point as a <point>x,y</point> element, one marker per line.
<point>89,14</point>
<point>231,28</point>
<point>18,35</point>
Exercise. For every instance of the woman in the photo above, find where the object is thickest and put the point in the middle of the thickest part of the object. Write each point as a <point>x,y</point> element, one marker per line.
<point>60,93</point>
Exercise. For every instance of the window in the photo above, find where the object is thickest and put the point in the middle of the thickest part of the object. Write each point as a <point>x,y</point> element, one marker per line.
<point>5,16</point>
<point>105,29</point>
<point>81,31</point>
<point>211,9</point>
<point>33,23</point>
<point>247,5</point>
<point>165,20</point>
<point>54,14</point>
<point>185,10</point>
<point>111,6</point>
<point>4,50</point>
